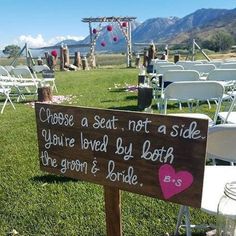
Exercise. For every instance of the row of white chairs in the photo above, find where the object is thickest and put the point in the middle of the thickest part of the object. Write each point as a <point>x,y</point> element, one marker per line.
<point>220,150</point>
<point>22,81</point>
<point>201,66</point>
<point>188,86</point>
<point>221,138</point>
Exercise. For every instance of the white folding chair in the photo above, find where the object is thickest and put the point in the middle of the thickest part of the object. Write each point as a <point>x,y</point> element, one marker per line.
<point>5,92</point>
<point>220,146</point>
<point>228,65</point>
<point>175,76</point>
<point>195,91</point>
<point>4,71</point>
<point>40,68</point>
<point>227,77</point>
<point>12,82</point>
<point>48,76</point>
<point>204,69</point>
<point>217,63</point>
<point>157,79</point>
<point>163,69</point>
<point>188,64</point>
<point>26,81</point>
<point>230,115</point>
<point>158,64</point>
<point>9,68</point>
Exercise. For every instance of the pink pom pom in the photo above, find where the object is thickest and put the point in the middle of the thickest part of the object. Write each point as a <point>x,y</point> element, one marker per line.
<point>94,31</point>
<point>109,28</point>
<point>115,38</point>
<point>103,43</point>
<point>124,24</point>
<point>54,53</point>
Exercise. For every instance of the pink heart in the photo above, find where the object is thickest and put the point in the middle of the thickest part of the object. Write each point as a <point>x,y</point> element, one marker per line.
<point>173,183</point>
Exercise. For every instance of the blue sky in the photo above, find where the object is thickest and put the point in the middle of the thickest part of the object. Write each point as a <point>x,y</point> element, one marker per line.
<point>45,22</point>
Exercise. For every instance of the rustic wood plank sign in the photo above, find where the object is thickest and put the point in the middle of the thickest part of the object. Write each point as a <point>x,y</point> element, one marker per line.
<point>153,155</point>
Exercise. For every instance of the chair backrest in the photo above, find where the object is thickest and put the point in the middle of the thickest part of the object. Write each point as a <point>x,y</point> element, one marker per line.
<point>188,64</point>
<point>4,72</point>
<point>222,75</point>
<point>5,75</point>
<point>40,68</point>
<point>23,72</point>
<point>48,73</point>
<point>157,65</point>
<point>204,68</point>
<point>231,108</point>
<point>165,68</point>
<point>195,90</point>
<point>216,63</point>
<point>9,68</point>
<point>178,75</point>
<point>230,65</point>
<point>221,142</point>
<point>181,75</point>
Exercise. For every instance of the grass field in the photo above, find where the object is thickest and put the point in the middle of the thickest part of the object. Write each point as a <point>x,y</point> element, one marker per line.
<point>36,203</point>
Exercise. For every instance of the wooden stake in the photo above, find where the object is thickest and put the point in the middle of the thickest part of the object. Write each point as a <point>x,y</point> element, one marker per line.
<point>113,211</point>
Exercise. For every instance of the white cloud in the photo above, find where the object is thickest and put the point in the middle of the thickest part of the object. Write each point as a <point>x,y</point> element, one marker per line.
<point>39,41</point>
<point>57,39</point>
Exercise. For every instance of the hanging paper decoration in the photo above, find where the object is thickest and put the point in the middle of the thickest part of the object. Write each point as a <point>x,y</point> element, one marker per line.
<point>115,38</point>
<point>103,43</point>
<point>124,24</point>
<point>109,28</point>
<point>54,53</point>
<point>94,31</point>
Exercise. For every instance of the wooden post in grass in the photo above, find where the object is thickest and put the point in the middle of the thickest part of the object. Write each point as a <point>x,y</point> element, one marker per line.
<point>45,94</point>
<point>113,211</point>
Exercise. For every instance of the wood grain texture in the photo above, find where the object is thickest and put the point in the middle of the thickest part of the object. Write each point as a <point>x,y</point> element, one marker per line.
<point>124,150</point>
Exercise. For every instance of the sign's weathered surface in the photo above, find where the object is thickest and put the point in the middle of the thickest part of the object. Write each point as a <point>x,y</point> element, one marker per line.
<point>154,155</point>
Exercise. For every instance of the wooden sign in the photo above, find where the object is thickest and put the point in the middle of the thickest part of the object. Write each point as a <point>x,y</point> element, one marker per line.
<point>153,155</point>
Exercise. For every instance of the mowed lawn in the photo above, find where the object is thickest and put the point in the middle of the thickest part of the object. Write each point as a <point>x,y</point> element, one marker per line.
<point>33,202</point>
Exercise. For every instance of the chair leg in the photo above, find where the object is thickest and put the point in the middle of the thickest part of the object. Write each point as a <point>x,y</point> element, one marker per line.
<point>187,222</point>
<point>179,220</point>
<point>183,212</point>
<point>54,86</point>
<point>209,104</point>
<point>11,102</point>
<point>5,103</point>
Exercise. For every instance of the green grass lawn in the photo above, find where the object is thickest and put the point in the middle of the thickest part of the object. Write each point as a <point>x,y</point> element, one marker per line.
<point>36,203</point>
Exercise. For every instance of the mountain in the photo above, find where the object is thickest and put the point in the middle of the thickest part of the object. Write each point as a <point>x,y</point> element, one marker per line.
<point>67,42</point>
<point>203,20</point>
<point>152,29</point>
<point>201,24</point>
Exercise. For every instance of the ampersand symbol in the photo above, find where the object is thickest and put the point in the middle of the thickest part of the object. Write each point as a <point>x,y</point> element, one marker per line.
<point>94,169</point>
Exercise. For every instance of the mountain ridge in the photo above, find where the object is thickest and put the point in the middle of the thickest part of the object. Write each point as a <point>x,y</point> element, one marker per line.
<point>201,24</point>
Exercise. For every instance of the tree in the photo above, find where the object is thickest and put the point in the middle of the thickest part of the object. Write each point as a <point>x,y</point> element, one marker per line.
<point>223,41</point>
<point>209,44</point>
<point>220,41</point>
<point>11,50</point>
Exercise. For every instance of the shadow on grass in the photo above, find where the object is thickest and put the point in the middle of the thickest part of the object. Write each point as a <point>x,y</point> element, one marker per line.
<point>118,90</point>
<point>51,179</point>
<point>193,234</point>
<point>134,97</point>
<point>129,98</point>
<point>126,108</point>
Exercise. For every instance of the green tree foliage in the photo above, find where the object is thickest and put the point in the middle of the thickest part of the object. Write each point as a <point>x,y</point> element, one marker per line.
<point>221,41</point>
<point>11,50</point>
